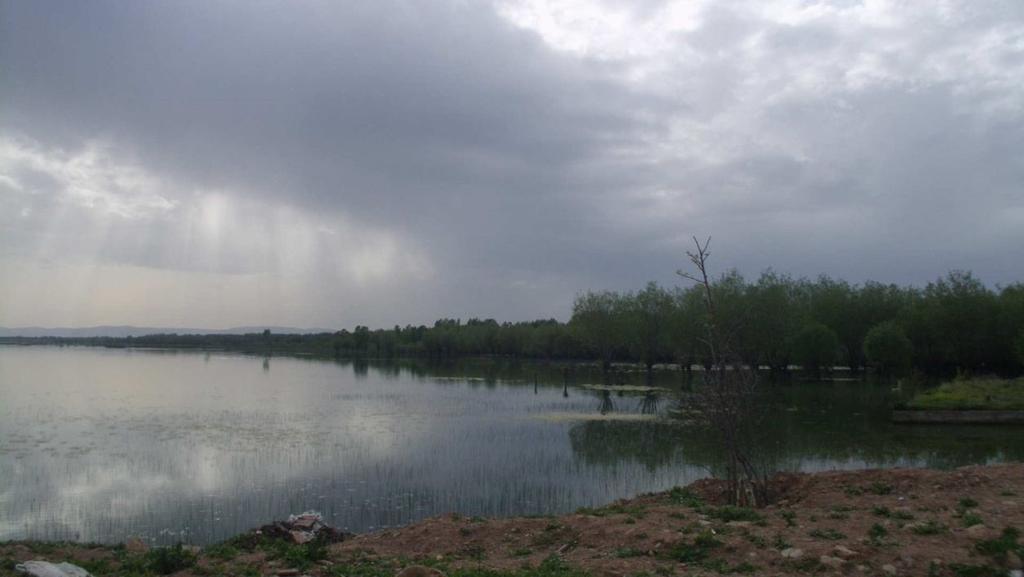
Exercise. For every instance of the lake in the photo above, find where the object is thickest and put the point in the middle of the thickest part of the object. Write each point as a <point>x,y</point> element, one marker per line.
<point>105,444</point>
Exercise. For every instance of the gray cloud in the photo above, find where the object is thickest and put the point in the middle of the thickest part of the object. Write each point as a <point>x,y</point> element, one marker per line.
<point>395,162</point>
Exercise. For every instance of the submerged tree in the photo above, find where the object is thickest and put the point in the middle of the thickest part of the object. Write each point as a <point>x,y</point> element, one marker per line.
<point>727,402</point>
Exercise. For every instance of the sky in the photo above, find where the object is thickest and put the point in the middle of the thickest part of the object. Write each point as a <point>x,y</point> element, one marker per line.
<point>326,164</point>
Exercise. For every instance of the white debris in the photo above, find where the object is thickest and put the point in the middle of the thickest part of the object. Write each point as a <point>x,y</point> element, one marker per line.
<point>46,569</point>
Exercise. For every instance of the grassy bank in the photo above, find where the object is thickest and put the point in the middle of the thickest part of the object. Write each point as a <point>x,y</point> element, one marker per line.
<point>961,523</point>
<point>983,394</point>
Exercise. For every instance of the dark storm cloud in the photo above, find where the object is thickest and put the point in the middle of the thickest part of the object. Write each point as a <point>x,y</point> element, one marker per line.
<point>457,161</point>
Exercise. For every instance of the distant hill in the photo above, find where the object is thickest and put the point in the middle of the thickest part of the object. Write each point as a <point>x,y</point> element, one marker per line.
<point>132,331</point>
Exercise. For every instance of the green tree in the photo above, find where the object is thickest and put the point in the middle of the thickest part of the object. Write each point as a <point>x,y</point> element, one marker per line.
<point>887,348</point>
<point>597,321</point>
<point>647,316</point>
<point>815,347</point>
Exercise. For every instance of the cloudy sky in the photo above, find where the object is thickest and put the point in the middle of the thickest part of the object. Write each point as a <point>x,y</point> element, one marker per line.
<point>314,163</point>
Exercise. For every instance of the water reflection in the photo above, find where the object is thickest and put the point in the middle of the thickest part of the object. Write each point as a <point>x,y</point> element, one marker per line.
<point>100,444</point>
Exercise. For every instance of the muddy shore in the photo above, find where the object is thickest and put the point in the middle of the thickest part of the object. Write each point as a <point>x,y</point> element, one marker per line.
<point>961,523</point>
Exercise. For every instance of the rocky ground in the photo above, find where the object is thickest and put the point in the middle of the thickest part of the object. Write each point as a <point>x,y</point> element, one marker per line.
<point>961,523</point>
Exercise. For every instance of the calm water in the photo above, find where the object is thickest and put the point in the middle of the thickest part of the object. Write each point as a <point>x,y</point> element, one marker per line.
<point>102,444</point>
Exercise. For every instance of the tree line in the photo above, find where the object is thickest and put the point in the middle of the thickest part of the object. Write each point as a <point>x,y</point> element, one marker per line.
<point>776,321</point>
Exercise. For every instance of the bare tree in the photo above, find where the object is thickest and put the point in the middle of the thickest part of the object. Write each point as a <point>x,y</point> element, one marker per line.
<point>727,402</point>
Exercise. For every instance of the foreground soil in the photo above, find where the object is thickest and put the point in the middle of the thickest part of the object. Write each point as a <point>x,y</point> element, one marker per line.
<point>962,523</point>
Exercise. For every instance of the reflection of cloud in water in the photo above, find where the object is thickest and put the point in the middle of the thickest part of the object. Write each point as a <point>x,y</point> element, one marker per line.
<point>106,444</point>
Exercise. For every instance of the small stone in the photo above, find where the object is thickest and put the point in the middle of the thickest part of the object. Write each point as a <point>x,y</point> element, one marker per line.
<point>907,560</point>
<point>843,552</point>
<point>739,524</point>
<point>792,553</point>
<point>889,569</point>
<point>704,523</point>
<point>833,562</point>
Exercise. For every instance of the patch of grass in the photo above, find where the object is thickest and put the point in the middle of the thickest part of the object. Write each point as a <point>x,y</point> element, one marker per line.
<point>167,560</point>
<point>877,532</point>
<point>789,516</point>
<point>697,550</point>
<point>756,540</point>
<point>882,512</point>
<point>879,488</point>
<point>903,515</point>
<point>1002,545</point>
<point>929,528</point>
<point>521,552</point>
<point>222,551</point>
<point>553,533</point>
<point>806,565</point>
<point>838,515</point>
<point>627,552</point>
<point>93,566</point>
<point>827,534</point>
<point>960,570</point>
<point>617,509</point>
<point>732,513</point>
<point>967,503</point>
<point>971,519</point>
<point>683,496</point>
<point>780,542</point>
<point>982,394</point>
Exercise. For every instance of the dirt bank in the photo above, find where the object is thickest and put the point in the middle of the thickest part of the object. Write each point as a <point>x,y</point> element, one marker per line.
<point>882,522</point>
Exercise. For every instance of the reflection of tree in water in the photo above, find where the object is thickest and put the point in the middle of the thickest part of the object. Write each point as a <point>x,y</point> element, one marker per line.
<point>266,364</point>
<point>649,404</point>
<point>818,428</point>
<point>652,443</point>
<point>606,405</point>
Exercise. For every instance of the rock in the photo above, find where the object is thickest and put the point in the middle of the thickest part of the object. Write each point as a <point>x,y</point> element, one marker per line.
<point>843,552</point>
<point>739,524</point>
<point>888,569</point>
<point>301,537</point>
<point>47,569</point>
<point>136,545</point>
<point>1013,561</point>
<point>907,560</point>
<point>419,571</point>
<point>832,562</point>
<point>792,553</point>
